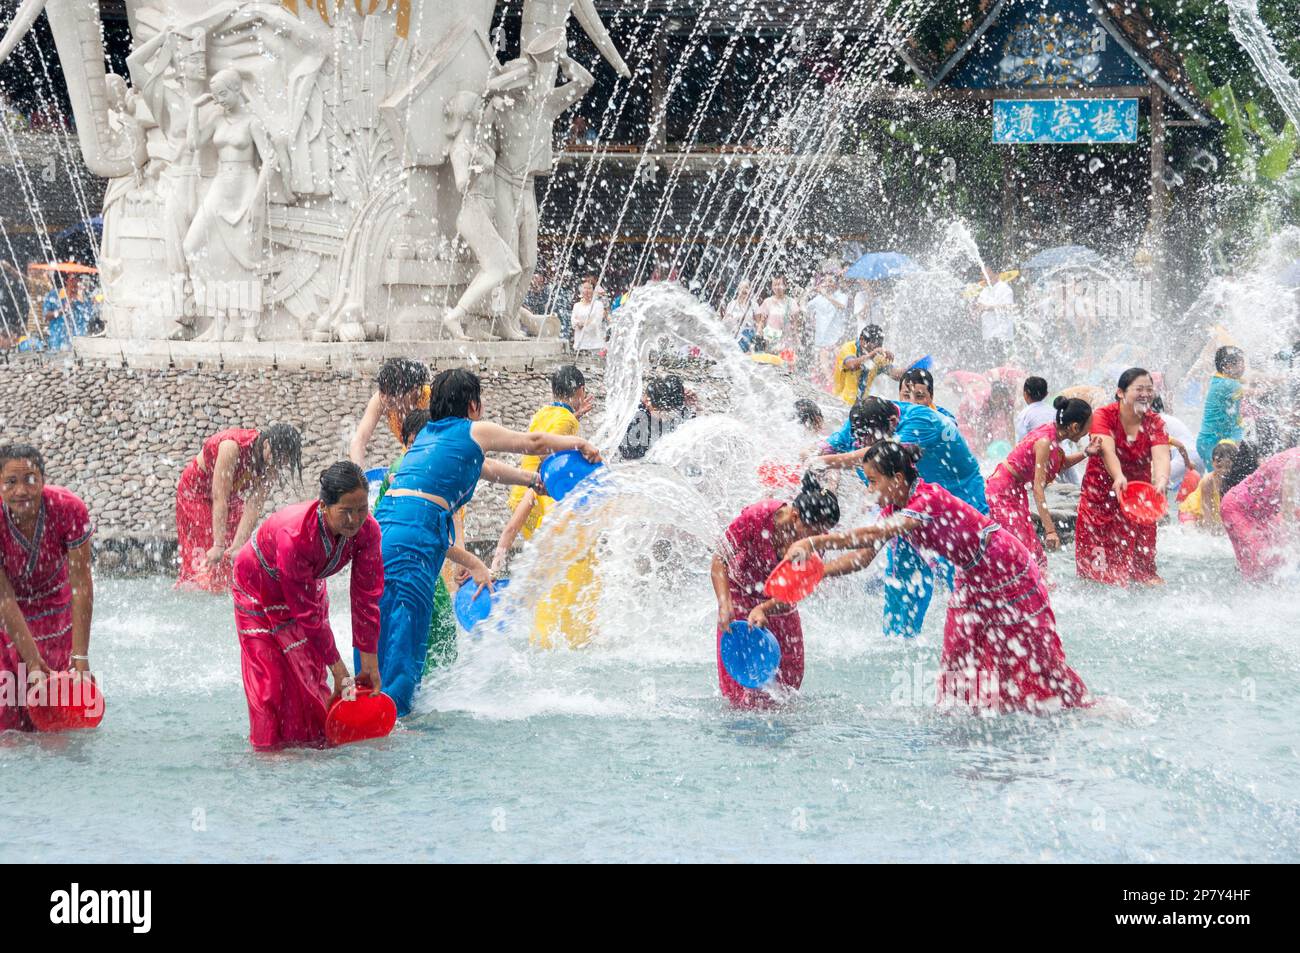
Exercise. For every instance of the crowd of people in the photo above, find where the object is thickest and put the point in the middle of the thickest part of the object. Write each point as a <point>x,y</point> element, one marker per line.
<point>942,520</point>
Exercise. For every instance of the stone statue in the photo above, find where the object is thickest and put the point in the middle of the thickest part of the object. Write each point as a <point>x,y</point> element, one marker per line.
<point>224,243</point>
<point>471,122</point>
<point>524,147</point>
<point>338,192</point>
<point>170,74</point>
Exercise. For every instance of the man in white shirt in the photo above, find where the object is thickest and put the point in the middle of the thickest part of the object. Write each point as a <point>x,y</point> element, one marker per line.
<point>589,319</point>
<point>1037,410</point>
<point>828,309</point>
<point>996,307</point>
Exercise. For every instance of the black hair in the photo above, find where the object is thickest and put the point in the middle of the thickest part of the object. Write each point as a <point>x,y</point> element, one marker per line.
<point>807,412</point>
<point>817,506</point>
<point>565,381</point>
<point>452,392</point>
<point>339,479</point>
<point>918,375</point>
<point>286,450</point>
<point>1244,462</point>
<point>1224,446</point>
<point>872,418</point>
<point>1158,404</point>
<point>1129,376</point>
<point>666,393</point>
<point>1071,410</point>
<point>412,424</point>
<point>22,451</point>
<point>1227,355</point>
<point>892,458</point>
<point>872,334</point>
<point>400,375</point>
<point>1035,389</point>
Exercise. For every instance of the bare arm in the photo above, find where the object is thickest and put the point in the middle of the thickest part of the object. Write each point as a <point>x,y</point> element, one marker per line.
<point>494,437</point>
<point>515,524</point>
<point>248,521</point>
<point>852,561</point>
<point>721,590</point>
<point>494,471</point>
<point>1160,467</point>
<point>223,482</point>
<point>366,430</point>
<point>16,627</point>
<point>1111,460</point>
<point>1042,457</point>
<point>83,603</point>
<point>842,461</point>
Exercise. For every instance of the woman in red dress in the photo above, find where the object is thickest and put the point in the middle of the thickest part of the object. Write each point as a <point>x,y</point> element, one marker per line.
<point>46,593</point>
<point>1001,651</point>
<point>220,496</point>
<point>750,551</point>
<point>1133,446</point>
<point>1035,462</point>
<point>282,609</point>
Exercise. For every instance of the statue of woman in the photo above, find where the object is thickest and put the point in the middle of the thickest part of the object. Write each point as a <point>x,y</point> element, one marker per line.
<point>224,244</point>
<point>472,162</point>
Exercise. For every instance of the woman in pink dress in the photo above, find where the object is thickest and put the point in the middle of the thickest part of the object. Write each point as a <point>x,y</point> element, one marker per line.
<point>1261,512</point>
<point>220,496</point>
<point>750,551</point>
<point>1132,446</point>
<point>45,585</point>
<point>282,609</point>
<point>1001,651</point>
<point>1035,462</point>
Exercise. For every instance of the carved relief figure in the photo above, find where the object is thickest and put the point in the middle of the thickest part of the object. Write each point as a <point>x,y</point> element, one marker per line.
<point>471,123</point>
<point>129,117</point>
<point>225,241</point>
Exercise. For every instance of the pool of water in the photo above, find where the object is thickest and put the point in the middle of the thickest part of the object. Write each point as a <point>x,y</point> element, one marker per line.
<point>625,751</point>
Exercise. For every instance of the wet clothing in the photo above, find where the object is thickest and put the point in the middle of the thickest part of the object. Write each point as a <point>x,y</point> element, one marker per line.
<point>1221,419</point>
<point>1108,547</point>
<point>1012,481</point>
<point>1001,650</point>
<point>750,554</point>
<point>1263,535</point>
<point>194,510</point>
<point>37,569</point>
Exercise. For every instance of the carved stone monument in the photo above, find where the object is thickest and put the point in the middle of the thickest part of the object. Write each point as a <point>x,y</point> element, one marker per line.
<point>319,170</point>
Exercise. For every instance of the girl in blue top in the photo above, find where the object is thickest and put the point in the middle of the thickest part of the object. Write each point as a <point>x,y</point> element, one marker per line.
<point>437,476</point>
<point>1222,416</point>
<point>947,461</point>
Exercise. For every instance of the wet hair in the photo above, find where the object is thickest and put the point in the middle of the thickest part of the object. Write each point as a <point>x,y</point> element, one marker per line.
<point>807,412</point>
<point>1227,355</point>
<point>918,375</point>
<point>1035,389</point>
<point>892,458</point>
<point>412,424</point>
<point>1228,447</point>
<point>565,381</point>
<point>1244,462</point>
<point>817,506</point>
<point>401,375</point>
<point>339,479</point>
<point>1129,376</point>
<point>286,450</point>
<point>1158,404</point>
<point>872,334</point>
<point>667,392</point>
<point>22,451</point>
<point>874,418</point>
<point>452,392</point>
<point>1071,410</point>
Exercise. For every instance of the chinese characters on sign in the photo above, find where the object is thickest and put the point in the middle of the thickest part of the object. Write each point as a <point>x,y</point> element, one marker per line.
<point>1064,120</point>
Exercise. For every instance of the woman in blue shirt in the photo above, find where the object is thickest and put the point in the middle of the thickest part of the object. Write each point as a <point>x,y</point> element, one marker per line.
<point>945,460</point>
<point>438,476</point>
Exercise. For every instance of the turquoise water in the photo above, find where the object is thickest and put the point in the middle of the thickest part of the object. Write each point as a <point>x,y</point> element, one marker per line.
<point>624,751</point>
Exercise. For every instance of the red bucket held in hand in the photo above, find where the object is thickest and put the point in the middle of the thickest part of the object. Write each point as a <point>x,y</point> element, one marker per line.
<point>1142,503</point>
<point>779,475</point>
<point>789,583</point>
<point>372,715</point>
<point>65,702</point>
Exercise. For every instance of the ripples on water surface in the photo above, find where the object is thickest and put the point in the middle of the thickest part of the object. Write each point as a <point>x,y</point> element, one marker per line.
<point>625,750</point>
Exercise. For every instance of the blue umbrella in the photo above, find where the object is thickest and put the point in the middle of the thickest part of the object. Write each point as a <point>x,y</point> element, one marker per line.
<point>881,264</point>
<point>1062,257</point>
